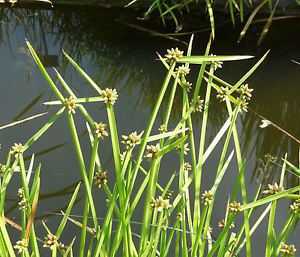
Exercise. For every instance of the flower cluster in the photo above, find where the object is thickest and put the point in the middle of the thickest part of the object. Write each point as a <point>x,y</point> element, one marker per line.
<point>2,169</point>
<point>100,130</point>
<point>169,194</point>
<point>50,241</point>
<point>223,94</point>
<point>21,245</point>
<point>70,104</point>
<point>100,178</point>
<point>179,216</point>
<point>185,148</point>
<point>287,250</point>
<point>109,95</point>
<point>246,94</point>
<point>160,203</point>
<point>295,206</point>
<point>131,140</point>
<point>187,167</point>
<point>216,64</point>
<point>273,189</point>
<point>199,105</point>
<point>17,149</point>
<point>187,85</point>
<point>151,151</point>
<point>174,54</point>
<point>182,71</point>
<point>245,91</point>
<point>222,224</point>
<point>244,105</point>
<point>23,204</point>
<point>207,197</point>
<point>270,158</point>
<point>235,207</point>
<point>21,192</point>
<point>162,129</point>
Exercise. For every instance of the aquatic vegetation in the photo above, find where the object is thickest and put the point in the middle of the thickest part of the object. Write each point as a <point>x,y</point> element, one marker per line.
<point>175,222</point>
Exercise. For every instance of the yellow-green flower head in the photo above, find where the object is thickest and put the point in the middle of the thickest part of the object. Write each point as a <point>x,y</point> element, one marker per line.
<point>17,148</point>
<point>70,104</point>
<point>162,129</point>
<point>131,140</point>
<point>23,204</point>
<point>21,192</point>
<point>100,178</point>
<point>245,91</point>
<point>169,194</point>
<point>287,250</point>
<point>244,105</point>
<point>199,105</point>
<point>109,95</point>
<point>183,71</point>
<point>222,224</point>
<point>179,216</point>
<point>235,207</point>
<point>160,204</point>
<point>62,246</point>
<point>207,197</point>
<point>223,94</point>
<point>2,169</point>
<point>174,54</point>
<point>50,241</point>
<point>187,167</point>
<point>295,206</point>
<point>21,245</point>
<point>185,148</point>
<point>152,150</point>
<point>123,155</point>
<point>187,85</point>
<point>100,131</point>
<point>216,64</point>
<point>273,189</point>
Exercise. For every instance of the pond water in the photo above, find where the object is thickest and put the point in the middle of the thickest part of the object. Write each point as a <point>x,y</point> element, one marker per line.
<point>117,54</point>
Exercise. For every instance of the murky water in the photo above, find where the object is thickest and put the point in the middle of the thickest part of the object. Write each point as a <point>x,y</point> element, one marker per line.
<point>117,55</point>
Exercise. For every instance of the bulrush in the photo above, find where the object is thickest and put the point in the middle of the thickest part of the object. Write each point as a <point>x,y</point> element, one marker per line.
<point>109,95</point>
<point>50,241</point>
<point>21,245</point>
<point>295,206</point>
<point>100,178</point>
<point>287,250</point>
<point>182,71</point>
<point>185,148</point>
<point>207,197</point>
<point>273,189</point>
<point>235,207</point>
<point>217,64</point>
<point>160,203</point>
<point>245,91</point>
<point>223,94</point>
<point>174,54</point>
<point>100,131</point>
<point>131,140</point>
<point>17,149</point>
<point>70,104</point>
<point>151,151</point>
<point>162,129</point>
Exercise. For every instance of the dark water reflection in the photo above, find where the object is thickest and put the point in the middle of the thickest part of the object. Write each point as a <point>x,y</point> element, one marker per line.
<point>116,55</point>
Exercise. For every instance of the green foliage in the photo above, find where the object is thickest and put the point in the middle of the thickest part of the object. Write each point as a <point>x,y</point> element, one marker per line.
<point>187,219</point>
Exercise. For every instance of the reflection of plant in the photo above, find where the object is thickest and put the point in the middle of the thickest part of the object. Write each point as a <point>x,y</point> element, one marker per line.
<point>176,9</point>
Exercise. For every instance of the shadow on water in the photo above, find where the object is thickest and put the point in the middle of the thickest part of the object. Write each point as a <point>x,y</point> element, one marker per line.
<point>122,56</point>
